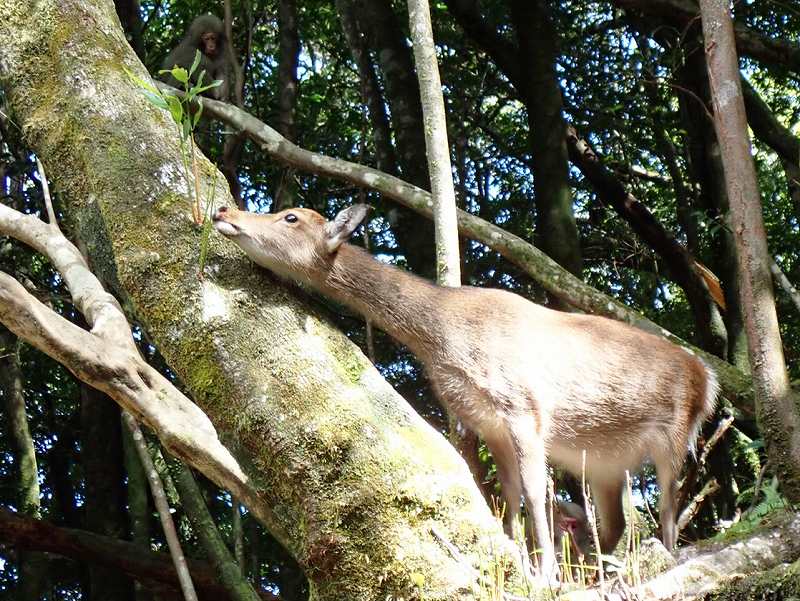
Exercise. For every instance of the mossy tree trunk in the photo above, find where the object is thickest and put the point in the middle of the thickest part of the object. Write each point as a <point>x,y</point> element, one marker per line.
<point>346,476</point>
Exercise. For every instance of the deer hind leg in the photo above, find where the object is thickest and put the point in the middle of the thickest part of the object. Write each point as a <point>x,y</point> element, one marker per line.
<point>610,515</point>
<point>505,459</point>
<point>529,446</point>
<point>667,475</point>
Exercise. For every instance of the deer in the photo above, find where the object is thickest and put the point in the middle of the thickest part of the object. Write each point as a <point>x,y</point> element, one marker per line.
<point>592,395</point>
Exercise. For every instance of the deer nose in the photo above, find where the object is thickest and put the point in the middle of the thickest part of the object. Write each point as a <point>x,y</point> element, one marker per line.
<point>220,212</point>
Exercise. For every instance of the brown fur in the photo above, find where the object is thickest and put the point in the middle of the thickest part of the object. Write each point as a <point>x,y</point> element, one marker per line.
<point>531,381</point>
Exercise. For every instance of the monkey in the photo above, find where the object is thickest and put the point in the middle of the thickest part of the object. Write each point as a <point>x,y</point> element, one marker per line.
<point>206,34</point>
<point>570,518</point>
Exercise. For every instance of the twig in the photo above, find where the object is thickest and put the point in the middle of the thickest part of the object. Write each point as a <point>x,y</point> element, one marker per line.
<point>590,517</point>
<point>48,201</point>
<point>722,427</point>
<point>162,505</point>
<point>687,514</point>
<point>783,282</point>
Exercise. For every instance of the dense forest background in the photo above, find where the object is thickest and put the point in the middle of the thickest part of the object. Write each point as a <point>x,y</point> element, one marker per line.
<point>582,127</point>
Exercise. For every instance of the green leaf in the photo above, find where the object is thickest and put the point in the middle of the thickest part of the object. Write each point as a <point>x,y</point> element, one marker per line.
<point>200,89</point>
<point>146,85</point>
<point>156,100</point>
<point>196,63</point>
<point>180,74</point>
<point>175,109</point>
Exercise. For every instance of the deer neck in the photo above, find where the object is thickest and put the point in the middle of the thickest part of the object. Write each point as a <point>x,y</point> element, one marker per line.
<point>403,305</point>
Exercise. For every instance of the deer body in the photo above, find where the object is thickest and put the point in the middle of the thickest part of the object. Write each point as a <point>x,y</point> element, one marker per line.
<point>533,382</point>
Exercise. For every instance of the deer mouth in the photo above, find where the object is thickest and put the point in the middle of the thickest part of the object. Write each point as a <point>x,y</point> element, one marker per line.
<point>226,228</point>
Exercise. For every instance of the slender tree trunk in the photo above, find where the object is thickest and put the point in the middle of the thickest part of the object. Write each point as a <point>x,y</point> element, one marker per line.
<point>706,168</point>
<point>33,584</point>
<point>385,158</point>
<point>138,502</point>
<point>129,13</point>
<point>555,221</point>
<point>448,264</point>
<point>104,502</point>
<point>162,505</point>
<point>288,59</point>
<point>385,36</point>
<point>777,406</point>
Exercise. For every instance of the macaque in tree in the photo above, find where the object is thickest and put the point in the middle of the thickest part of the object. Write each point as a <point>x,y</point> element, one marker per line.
<point>570,518</point>
<point>206,34</point>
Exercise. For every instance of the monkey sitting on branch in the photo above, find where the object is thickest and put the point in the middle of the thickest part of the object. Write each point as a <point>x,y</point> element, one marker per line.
<point>206,34</point>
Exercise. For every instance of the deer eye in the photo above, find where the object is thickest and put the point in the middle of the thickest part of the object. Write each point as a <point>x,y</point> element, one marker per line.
<point>290,217</point>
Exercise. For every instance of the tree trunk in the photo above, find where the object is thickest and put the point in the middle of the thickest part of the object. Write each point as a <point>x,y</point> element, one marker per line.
<point>33,567</point>
<point>288,58</point>
<point>332,454</point>
<point>104,495</point>
<point>777,406</point>
<point>204,527</point>
<point>448,264</point>
<point>385,158</point>
<point>555,221</point>
<point>386,39</point>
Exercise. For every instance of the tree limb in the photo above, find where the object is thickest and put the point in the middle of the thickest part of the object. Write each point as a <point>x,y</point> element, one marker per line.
<point>130,558</point>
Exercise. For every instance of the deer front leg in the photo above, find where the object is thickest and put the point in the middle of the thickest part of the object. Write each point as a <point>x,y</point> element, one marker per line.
<point>505,458</point>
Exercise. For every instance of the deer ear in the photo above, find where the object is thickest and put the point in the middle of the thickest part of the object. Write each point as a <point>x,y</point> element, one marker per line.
<point>343,225</point>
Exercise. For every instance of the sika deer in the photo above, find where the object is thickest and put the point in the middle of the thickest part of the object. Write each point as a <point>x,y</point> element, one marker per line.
<point>533,382</point>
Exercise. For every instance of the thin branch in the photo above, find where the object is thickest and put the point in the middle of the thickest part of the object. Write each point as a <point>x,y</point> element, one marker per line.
<point>691,510</point>
<point>162,506</point>
<point>48,201</point>
<point>784,284</point>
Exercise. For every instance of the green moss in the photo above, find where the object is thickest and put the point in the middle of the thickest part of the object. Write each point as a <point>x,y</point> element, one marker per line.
<point>781,583</point>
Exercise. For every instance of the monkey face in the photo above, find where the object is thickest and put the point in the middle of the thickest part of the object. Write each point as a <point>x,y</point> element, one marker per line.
<point>209,44</point>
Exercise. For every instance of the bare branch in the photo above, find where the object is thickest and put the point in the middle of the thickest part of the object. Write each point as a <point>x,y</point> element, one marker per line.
<point>48,201</point>
<point>687,514</point>
<point>162,506</point>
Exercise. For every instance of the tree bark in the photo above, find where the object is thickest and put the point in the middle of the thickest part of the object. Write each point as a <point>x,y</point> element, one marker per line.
<point>332,454</point>
<point>387,40</point>
<point>138,503</point>
<point>385,158</point>
<point>204,527</point>
<point>776,405</point>
<point>104,495</point>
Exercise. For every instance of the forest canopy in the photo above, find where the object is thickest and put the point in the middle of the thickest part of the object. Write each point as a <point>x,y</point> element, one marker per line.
<point>162,394</point>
